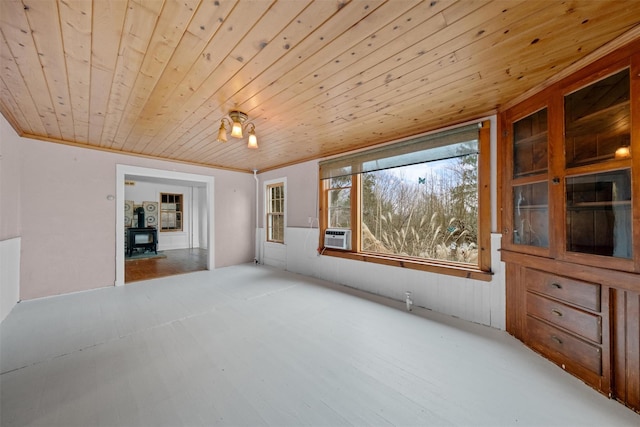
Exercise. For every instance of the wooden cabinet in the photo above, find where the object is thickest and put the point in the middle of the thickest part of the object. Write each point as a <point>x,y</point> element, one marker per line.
<point>571,223</point>
<point>626,347</point>
<point>564,322</point>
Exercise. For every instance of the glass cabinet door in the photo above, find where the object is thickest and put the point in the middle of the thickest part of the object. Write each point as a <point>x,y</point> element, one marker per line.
<point>531,214</point>
<point>530,145</point>
<point>599,214</point>
<point>598,186</point>
<point>530,199</point>
<point>597,121</point>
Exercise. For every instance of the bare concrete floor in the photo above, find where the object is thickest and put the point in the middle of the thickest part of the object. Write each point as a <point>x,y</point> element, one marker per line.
<point>249,345</point>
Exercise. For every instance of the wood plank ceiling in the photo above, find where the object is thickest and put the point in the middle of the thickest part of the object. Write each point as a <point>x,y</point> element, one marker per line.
<point>155,77</point>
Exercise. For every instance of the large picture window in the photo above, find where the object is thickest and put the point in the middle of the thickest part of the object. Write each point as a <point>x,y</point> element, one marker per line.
<point>414,203</point>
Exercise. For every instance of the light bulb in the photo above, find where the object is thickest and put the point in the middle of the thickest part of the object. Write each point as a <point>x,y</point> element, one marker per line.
<point>253,141</point>
<point>222,133</point>
<point>623,152</point>
<point>236,130</point>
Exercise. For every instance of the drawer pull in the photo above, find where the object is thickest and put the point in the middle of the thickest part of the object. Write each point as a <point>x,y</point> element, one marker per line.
<point>556,312</point>
<point>556,285</point>
<point>556,339</point>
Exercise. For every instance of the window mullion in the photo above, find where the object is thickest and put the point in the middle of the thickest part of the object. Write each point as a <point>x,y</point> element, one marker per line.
<point>356,212</point>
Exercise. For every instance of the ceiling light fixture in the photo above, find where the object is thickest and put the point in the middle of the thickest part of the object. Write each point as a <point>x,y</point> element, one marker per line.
<point>236,123</point>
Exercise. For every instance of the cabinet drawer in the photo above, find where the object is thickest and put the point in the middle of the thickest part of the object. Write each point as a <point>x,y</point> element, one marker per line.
<point>585,324</point>
<point>584,294</point>
<point>563,347</point>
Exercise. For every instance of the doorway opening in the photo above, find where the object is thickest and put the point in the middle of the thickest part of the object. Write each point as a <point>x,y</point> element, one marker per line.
<point>189,249</point>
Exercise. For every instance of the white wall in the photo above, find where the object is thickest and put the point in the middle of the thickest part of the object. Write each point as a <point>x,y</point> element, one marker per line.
<point>10,220</point>
<point>68,219</point>
<point>473,300</point>
<point>302,186</point>
<point>200,199</point>
<point>9,275</point>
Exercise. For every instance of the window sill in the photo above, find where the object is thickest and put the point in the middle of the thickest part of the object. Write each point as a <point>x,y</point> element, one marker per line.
<point>433,266</point>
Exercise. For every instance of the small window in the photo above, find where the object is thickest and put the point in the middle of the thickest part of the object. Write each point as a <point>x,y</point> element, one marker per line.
<point>275,212</point>
<point>170,212</point>
<point>339,200</point>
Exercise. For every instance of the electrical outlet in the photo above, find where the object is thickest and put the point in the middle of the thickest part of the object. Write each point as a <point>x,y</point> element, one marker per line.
<point>309,220</point>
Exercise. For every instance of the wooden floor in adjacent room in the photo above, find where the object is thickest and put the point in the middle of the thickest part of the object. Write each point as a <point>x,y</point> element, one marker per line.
<point>254,346</point>
<point>177,261</point>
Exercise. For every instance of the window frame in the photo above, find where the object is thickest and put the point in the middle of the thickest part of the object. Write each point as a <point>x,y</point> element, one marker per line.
<point>267,211</point>
<point>480,272</point>
<point>179,213</point>
<point>348,189</point>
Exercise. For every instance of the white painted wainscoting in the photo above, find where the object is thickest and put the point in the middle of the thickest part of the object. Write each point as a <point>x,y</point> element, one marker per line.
<point>473,300</point>
<point>9,275</point>
<point>275,255</point>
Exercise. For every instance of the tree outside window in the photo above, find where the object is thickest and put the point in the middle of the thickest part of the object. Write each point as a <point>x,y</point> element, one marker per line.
<point>426,211</point>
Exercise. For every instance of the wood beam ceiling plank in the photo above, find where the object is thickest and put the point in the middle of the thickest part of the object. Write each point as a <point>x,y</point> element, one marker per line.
<point>321,32</point>
<point>419,61</point>
<point>21,47</point>
<point>535,71</point>
<point>463,8</point>
<point>136,35</point>
<point>44,20</point>
<point>108,20</point>
<point>292,32</point>
<point>402,60</point>
<point>294,51</point>
<point>332,29</point>
<point>12,111</point>
<point>75,18</point>
<point>272,51</point>
<point>171,25</point>
<point>254,95</point>
<point>364,55</point>
<point>20,94</point>
<point>292,28</point>
<point>207,20</point>
<point>408,112</point>
<point>349,26</point>
<point>535,44</point>
<point>227,74</point>
<point>154,6</point>
<point>194,138</point>
<point>198,84</point>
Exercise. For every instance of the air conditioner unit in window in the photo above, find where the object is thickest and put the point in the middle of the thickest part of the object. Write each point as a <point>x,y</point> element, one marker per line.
<point>337,238</point>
